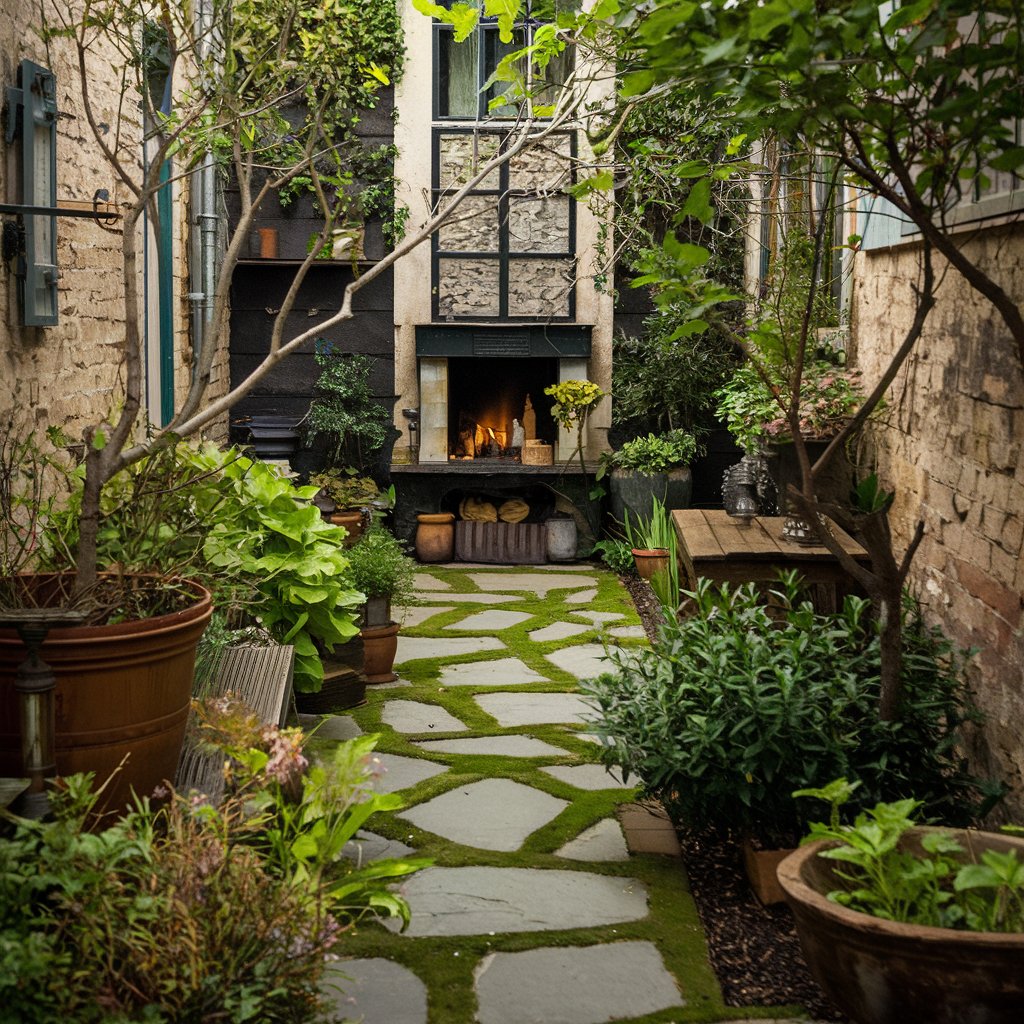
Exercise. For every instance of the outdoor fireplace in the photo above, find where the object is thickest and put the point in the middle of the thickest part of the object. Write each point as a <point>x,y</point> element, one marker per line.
<point>478,384</point>
<point>496,403</point>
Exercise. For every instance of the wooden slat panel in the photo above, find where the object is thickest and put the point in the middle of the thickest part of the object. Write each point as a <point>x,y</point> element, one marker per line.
<point>695,534</point>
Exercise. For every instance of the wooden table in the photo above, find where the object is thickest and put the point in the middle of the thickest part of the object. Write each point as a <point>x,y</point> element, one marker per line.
<point>727,550</point>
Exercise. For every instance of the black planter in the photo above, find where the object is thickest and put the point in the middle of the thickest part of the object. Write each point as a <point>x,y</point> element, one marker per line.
<point>635,492</point>
<point>271,436</point>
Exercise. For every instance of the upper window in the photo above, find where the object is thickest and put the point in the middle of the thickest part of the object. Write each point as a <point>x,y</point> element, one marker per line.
<point>463,69</point>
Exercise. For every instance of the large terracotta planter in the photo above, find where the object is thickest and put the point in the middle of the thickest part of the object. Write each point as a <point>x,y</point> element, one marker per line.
<point>380,645</point>
<point>122,691</point>
<point>353,523</point>
<point>882,972</point>
<point>635,492</point>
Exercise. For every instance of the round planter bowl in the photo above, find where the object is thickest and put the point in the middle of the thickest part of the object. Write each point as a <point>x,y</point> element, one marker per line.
<point>122,690</point>
<point>649,561</point>
<point>883,972</point>
<point>352,521</point>
<point>435,537</point>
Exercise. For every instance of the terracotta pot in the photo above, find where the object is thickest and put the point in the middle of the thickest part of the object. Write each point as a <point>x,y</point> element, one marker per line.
<point>268,243</point>
<point>380,645</point>
<point>883,972</point>
<point>650,561</point>
<point>352,520</point>
<point>121,690</point>
<point>435,536</point>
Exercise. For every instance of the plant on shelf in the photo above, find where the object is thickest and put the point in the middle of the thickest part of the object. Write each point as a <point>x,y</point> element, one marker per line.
<point>738,704</point>
<point>574,401</point>
<point>344,411</point>
<point>192,911</point>
<point>925,922</point>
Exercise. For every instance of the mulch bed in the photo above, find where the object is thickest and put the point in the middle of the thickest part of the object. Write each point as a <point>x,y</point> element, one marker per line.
<point>753,949</point>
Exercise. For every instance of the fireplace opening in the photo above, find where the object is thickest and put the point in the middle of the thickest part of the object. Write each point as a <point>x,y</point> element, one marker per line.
<point>495,402</point>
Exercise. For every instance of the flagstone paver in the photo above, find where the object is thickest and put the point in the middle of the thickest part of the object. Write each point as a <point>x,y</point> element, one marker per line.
<point>368,846</point>
<point>491,620</point>
<point>511,709</point>
<point>415,616</point>
<point>538,583</point>
<point>424,581</point>
<point>480,900</point>
<point>494,814</point>
<point>410,716</point>
<point>570,985</point>
<point>410,648</point>
<point>584,661</point>
<point>587,776</point>
<point>602,842</point>
<point>470,598</point>
<point>337,727</point>
<point>628,632</point>
<point>558,631</point>
<point>376,991</point>
<point>583,597</point>
<point>504,746</point>
<point>500,672</point>
<point>402,772</point>
<point>599,617</point>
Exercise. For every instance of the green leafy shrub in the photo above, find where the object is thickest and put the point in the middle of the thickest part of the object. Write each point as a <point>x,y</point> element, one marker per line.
<point>934,882</point>
<point>193,912</point>
<point>738,705</point>
<point>655,453</point>
<point>616,554</point>
<point>380,568</point>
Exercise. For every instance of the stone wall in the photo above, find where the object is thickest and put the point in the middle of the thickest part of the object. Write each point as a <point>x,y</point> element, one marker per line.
<point>949,443</point>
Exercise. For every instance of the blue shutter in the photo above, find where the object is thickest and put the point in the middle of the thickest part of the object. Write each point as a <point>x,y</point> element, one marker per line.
<point>881,224</point>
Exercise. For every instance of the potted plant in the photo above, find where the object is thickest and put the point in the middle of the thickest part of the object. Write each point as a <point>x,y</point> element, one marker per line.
<point>384,573</point>
<point>349,496</point>
<point>903,922</point>
<point>651,539</point>
<point>655,466</point>
<point>738,704</point>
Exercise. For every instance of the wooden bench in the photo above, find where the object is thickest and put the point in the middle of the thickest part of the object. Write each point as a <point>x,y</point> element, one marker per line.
<point>262,678</point>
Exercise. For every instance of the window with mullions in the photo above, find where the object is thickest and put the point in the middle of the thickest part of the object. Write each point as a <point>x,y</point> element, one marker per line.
<point>464,68</point>
<point>509,249</point>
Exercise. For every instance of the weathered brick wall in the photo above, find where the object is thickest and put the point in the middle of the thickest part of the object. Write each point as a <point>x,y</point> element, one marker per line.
<point>950,444</point>
<point>70,375</point>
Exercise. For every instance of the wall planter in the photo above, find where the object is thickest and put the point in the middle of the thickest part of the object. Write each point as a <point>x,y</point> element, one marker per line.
<point>884,972</point>
<point>649,561</point>
<point>435,536</point>
<point>635,492</point>
<point>122,690</point>
<point>380,645</point>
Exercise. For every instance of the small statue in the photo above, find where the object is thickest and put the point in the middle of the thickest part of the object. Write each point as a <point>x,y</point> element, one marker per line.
<point>529,421</point>
<point>518,434</point>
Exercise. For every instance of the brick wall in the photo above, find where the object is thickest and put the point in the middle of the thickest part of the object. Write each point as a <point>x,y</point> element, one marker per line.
<point>950,443</point>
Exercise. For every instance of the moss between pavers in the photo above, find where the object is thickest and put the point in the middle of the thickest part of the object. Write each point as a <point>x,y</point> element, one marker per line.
<point>446,965</point>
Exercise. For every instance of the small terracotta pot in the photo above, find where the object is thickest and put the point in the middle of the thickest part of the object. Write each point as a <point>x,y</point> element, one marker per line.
<point>380,645</point>
<point>352,520</point>
<point>435,537</point>
<point>761,867</point>
<point>649,561</point>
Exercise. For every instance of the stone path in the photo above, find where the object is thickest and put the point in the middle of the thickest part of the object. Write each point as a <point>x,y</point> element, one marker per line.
<point>553,898</point>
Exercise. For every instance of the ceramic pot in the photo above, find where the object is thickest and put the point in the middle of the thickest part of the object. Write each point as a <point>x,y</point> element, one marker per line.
<point>562,535</point>
<point>885,972</point>
<point>380,645</point>
<point>435,536</point>
<point>649,561</point>
<point>122,691</point>
<point>635,492</point>
<point>268,243</point>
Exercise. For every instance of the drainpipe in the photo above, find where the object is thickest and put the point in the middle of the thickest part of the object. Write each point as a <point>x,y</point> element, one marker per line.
<point>203,265</point>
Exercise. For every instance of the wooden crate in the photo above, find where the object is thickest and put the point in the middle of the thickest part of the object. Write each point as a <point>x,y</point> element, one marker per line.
<point>502,543</point>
